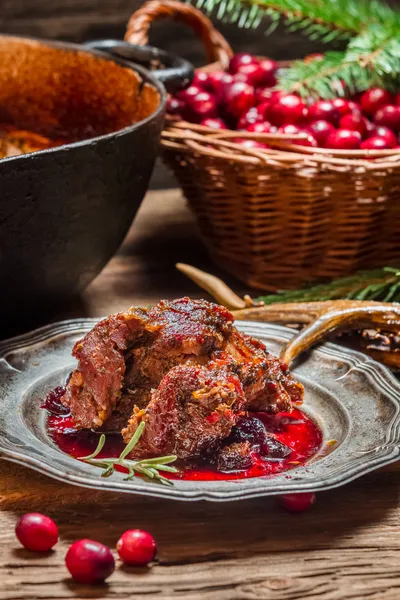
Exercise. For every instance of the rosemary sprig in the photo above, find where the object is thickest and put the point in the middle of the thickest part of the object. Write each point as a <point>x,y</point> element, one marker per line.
<point>148,467</point>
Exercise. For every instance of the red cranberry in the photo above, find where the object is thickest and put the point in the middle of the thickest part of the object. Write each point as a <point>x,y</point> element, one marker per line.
<point>354,107</point>
<point>191,91</point>
<point>376,143</point>
<point>89,561</point>
<point>251,74</point>
<point>387,134</point>
<point>251,144</point>
<point>136,547</point>
<point>343,139</point>
<point>215,123</point>
<point>201,80</point>
<point>238,98</point>
<point>240,59</point>
<point>217,82</point>
<point>320,130</point>
<point>175,106</point>
<point>309,140</point>
<point>273,448</point>
<point>253,115</point>
<point>289,109</point>
<point>354,122</point>
<point>260,127</point>
<point>266,95</point>
<point>36,532</point>
<point>290,129</point>
<point>297,503</point>
<point>344,106</point>
<point>325,110</point>
<point>374,99</point>
<point>389,116</point>
<point>268,70</point>
<point>203,106</point>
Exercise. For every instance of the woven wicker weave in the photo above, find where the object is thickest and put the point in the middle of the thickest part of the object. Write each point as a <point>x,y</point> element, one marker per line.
<point>284,216</point>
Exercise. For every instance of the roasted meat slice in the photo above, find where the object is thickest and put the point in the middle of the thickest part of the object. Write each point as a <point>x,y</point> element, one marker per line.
<point>132,366</point>
<point>193,409</point>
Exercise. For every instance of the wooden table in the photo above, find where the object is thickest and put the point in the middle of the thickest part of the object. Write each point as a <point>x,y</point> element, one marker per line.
<point>346,547</point>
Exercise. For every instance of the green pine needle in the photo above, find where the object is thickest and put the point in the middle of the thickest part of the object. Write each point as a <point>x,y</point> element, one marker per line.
<point>371,27</point>
<point>378,284</point>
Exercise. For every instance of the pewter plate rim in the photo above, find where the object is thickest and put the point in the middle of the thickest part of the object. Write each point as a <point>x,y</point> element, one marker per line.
<point>33,453</point>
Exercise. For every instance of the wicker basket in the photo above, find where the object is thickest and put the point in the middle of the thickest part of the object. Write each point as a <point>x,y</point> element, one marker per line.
<point>284,216</point>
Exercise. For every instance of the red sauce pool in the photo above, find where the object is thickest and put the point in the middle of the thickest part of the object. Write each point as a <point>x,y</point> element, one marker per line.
<point>294,429</point>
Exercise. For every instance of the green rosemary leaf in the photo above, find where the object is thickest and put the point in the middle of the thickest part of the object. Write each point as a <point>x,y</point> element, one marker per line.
<point>133,442</point>
<point>99,448</point>
<point>160,460</point>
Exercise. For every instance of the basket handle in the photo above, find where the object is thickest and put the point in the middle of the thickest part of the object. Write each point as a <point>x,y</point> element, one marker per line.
<point>216,46</point>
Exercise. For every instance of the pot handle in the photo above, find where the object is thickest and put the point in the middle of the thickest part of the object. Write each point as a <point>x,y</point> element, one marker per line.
<point>174,72</point>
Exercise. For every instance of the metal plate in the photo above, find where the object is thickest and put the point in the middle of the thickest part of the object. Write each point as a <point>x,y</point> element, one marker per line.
<point>354,399</point>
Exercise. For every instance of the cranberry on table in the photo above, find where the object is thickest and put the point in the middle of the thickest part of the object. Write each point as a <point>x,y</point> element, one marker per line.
<point>238,98</point>
<point>89,561</point>
<point>36,532</point>
<point>136,547</point>
<point>320,130</point>
<point>325,110</point>
<point>374,99</point>
<point>389,116</point>
<point>354,122</point>
<point>287,109</point>
<point>240,59</point>
<point>376,142</point>
<point>343,139</point>
<point>297,503</point>
<point>215,123</point>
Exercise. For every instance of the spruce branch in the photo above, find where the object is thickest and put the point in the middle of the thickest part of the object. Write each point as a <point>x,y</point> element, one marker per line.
<point>378,284</point>
<point>371,28</point>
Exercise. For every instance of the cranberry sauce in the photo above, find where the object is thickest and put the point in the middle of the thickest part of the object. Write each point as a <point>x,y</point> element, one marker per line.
<point>294,430</point>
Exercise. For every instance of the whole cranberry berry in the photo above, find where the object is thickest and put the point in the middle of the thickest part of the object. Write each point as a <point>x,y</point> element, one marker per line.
<point>202,106</point>
<point>325,110</point>
<point>136,547</point>
<point>297,503</point>
<point>215,123</point>
<point>374,99</point>
<point>320,131</point>
<point>343,139</point>
<point>266,95</point>
<point>264,127</point>
<point>253,115</point>
<point>375,143</point>
<point>217,82</point>
<point>385,132</point>
<point>240,59</point>
<point>344,106</point>
<point>290,129</point>
<point>36,532</point>
<point>268,68</point>
<point>389,116</point>
<point>238,98</point>
<point>286,110</point>
<point>201,80</point>
<point>354,122</point>
<point>398,99</point>
<point>89,561</point>
<point>175,106</point>
<point>251,74</point>
<point>308,140</point>
<point>191,91</point>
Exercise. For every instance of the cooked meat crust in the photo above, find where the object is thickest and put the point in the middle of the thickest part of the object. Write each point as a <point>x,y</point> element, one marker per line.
<point>183,368</point>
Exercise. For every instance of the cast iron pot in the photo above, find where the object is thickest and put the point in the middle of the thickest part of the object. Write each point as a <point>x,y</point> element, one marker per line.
<point>64,211</point>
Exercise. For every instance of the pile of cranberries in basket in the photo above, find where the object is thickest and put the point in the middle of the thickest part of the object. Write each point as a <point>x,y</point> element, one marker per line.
<point>245,99</point>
